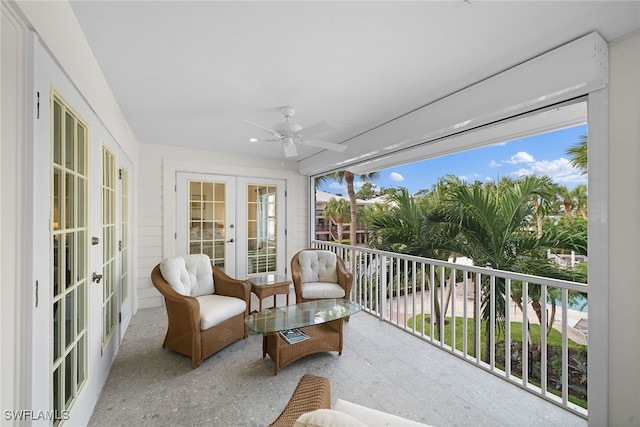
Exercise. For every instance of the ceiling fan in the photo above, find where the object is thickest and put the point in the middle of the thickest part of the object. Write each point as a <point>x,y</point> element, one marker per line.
<point>289,133</point>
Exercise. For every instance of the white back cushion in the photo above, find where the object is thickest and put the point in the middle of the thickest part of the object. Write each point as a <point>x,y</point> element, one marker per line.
<point>189,275</point>
<point>318,266</point>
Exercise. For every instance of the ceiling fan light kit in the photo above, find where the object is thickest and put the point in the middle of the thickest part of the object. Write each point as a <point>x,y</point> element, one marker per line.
<point>289,133</point>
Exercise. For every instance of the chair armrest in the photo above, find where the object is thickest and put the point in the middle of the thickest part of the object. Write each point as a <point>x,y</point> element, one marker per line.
<point>311,393</point>
<point>228,286</point>
<point>345,278</point>
<point>296,278</point>
<point>181,309</point>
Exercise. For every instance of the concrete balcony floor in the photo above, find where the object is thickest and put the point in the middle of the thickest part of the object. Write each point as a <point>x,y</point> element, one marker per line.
<point>380,367</point>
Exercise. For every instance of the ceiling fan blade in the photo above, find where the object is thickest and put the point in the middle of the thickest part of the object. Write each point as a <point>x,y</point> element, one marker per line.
<point>314,129</point>
<point>323,144</point>
<point>271,131</point>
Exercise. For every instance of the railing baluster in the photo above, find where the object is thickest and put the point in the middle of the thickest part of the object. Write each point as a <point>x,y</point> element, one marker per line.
<point>565,349</point>
<point>382,288</point>
<point>477,315</point>
<point>525,336</point>
<point>492,323</point>
<point>452,292</point>
<point>465,316</point>
<point>507,329</point>
<point>443,309</point>
<point>432,302</point>
<point>543,342</point>
<point>423,291</point>
<point>413,295</point>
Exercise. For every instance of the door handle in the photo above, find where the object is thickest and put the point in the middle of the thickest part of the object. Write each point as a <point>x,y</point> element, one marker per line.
<point>230,241</point>
<point>96,277</point>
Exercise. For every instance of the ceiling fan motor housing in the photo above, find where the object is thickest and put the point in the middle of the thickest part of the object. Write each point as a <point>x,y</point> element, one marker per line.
<point>287,128</point>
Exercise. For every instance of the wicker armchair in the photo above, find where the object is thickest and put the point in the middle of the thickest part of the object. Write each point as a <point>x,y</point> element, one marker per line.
<point>311,393</point>
<point>205,307</point>
<point>319,274</point>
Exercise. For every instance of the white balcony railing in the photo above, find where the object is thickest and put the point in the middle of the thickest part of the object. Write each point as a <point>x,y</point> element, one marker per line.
<point>482,318</point>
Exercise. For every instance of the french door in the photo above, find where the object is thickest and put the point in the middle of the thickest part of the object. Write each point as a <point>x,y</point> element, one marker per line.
<point>206,218</point>
<point>70,278</point>
<point>83,286</point>
<point>239,222</point>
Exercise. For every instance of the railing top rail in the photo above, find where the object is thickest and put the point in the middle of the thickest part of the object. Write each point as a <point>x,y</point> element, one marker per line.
<point>538,280</point>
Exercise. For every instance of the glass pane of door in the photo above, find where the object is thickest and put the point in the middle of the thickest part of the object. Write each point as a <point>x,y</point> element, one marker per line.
<point>207,220</point>
<point>109,259</point>
<point>262,223</point>
<point>124,235</point>
<point>69,247</point>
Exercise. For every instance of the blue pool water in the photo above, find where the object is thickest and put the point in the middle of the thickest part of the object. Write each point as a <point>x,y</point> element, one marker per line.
<point>577,304</point>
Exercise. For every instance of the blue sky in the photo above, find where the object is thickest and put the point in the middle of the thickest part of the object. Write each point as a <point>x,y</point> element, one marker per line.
<point>543,154</point>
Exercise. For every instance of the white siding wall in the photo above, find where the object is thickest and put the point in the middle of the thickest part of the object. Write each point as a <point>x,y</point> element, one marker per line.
<point>13,301</point>
<point>156,201</point>
<point>624,233</point>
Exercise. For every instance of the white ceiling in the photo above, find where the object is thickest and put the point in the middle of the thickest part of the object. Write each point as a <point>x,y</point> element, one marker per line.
<point>187,73</point>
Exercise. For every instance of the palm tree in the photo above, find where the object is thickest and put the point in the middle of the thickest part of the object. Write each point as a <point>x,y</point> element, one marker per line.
<point>578,154</point>
<point>542,200</point>
<point>349,177</point>
<point>492,222</point>
<point>567,201</point>
<point>579,196</point>
<point>400,228</point>
<point>337,210</point>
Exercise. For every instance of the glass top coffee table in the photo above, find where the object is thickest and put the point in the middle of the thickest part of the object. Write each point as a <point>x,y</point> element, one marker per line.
<point>295,331</point>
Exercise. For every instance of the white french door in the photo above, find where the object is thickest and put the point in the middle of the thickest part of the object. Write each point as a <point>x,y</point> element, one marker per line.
<point>125,285</point>
<point>81,247</point>
<point>109,260</point>
<point>206,218</point>
<point>70,279</point>
<point>261,227</point>
<point>239,222</point>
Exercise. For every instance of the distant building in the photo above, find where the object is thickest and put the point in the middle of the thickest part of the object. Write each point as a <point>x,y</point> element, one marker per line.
<point>327,230</point>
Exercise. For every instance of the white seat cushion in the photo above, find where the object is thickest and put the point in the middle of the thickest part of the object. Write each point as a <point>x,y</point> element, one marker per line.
<point>373,417</point>
<point>327,418</point>
<point>321,290</point>
<point>318,266</point>
<point>215,309</point>
<point>189,275</point>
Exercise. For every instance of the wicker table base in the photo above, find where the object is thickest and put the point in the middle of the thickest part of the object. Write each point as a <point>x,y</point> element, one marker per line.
<point>324,337</point>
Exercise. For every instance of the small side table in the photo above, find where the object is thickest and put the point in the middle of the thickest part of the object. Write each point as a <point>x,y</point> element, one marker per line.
<point>269,284</point>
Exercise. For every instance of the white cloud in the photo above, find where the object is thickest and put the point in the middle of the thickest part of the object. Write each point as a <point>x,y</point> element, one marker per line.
<point>560,171</point>
<point>473,178</point>
<point>494,164</point>
<point>521,157</point>
<point>395,176</point>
